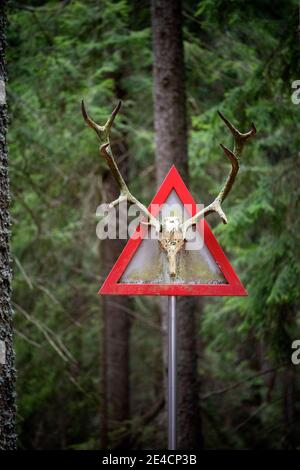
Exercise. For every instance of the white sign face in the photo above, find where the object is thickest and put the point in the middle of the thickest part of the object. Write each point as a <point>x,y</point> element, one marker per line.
<point>195,263</point>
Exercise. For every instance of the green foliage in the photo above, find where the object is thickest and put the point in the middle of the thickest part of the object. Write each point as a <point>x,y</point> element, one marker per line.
<point>241,58</point>
<point>253,83</point>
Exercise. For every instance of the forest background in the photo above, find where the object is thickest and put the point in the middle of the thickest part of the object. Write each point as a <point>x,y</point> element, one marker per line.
<point>241,58</point>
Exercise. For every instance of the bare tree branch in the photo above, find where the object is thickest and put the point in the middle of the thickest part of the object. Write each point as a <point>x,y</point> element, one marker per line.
<point>220,391</point>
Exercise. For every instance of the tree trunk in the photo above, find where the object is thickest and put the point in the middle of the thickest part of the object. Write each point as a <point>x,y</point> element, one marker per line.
<point>289,408</point>
<point>7,372</point>
<point>116,328</point>
<point>171,148</point>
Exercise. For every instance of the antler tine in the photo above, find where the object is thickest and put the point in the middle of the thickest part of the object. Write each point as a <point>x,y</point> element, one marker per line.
<point>106,151</point>
<point>101,131</point>
<point>240,140</point>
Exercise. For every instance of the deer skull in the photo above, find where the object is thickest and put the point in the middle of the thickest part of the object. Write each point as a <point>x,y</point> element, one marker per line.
<point>171,241</point>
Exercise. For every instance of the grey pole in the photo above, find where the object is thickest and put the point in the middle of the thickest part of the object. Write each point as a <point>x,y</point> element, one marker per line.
<point>172,372</point>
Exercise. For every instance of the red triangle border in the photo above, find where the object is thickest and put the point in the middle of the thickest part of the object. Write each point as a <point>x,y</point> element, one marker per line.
<point>173,181</point>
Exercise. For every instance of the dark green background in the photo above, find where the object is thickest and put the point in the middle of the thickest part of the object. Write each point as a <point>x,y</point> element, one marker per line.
<point>241,57</point>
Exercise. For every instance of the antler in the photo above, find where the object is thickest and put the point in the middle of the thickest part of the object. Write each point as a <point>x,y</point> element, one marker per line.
<point>105,150</point>
<point>239,141</point>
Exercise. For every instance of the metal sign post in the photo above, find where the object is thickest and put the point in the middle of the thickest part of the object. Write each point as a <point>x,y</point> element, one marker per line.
<point>172,373</point>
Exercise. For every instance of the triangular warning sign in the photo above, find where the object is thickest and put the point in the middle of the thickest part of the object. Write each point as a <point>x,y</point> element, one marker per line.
<point>141,267</point>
